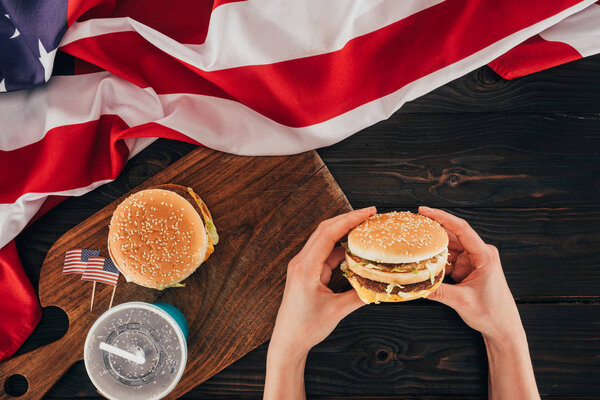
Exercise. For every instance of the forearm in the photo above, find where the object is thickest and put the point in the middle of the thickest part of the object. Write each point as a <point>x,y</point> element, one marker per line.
<point>510,370</point>
<point>285,374</point>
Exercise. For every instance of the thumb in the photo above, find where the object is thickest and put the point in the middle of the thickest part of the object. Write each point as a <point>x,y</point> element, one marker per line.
<point>447,294</point>
<point>347,302</point>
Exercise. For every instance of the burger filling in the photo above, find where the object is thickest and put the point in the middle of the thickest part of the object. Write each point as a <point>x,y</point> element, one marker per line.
<point>404,267</point>
<point>432,265</point>
<point>393,288</point>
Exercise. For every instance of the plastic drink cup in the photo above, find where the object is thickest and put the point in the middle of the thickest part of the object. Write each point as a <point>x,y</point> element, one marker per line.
<point>137,350</point>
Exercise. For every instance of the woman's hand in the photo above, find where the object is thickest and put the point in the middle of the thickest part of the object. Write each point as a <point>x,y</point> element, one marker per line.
<point>309,310</point>
<point>481,296</point>
<point>483,300</point>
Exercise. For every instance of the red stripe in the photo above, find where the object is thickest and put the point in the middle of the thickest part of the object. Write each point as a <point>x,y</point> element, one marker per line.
<point>533,55</point>
<point>310,90</point>
<point>186,21</point>
<point>218,3</point>
<point>68,157</point>
<point>106,275</point>
<point>73,271</point>
<point>19,309</point>
<point>73,156</point>
<point>183,20</point>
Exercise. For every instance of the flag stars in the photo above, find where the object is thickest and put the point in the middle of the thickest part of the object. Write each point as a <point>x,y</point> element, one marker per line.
<point>16,33</point>
<point>46,59</point>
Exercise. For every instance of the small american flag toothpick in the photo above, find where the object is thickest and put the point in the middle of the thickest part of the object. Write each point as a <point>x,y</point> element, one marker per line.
<point>103,270</point>
<point>76,260</point>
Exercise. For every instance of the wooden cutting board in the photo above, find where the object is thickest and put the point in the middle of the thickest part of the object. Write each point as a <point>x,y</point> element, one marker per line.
<point>264,209</point>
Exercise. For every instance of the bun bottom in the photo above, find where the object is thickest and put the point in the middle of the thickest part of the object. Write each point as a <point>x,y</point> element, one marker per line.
<point>369,296</point>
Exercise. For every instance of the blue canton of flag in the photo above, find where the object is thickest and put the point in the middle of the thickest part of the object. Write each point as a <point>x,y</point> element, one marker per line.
<point>30,31</point>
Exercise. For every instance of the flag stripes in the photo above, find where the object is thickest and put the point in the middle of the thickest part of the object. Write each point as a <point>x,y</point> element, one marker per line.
<point>101,269</point>
<point>76,260</point>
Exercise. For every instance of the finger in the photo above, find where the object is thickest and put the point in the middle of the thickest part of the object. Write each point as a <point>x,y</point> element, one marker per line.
<point>449,268</point>
<point>462,267</point>
<point>447,294</point>
<point>325,276</point>
<point>335,257</point>
<point>330,231</point>
<point>453,243</point>
<point>467,237</point>
<point>453,255</point>
<point>346,303</point>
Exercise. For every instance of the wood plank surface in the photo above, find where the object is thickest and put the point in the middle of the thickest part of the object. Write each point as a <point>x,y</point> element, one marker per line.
<point>568,88</point>
<point>472,160</point>
<point>230,302</point>
<point>417,349</point>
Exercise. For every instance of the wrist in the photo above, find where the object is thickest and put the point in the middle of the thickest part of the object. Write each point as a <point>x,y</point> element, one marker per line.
<point>286,351</point>
<point>505,338</point>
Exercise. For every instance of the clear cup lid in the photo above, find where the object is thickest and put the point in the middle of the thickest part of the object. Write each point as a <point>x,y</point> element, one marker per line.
<point>135,351</point>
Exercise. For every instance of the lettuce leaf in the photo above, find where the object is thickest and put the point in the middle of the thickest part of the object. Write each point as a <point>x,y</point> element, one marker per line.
<point>211,230</point>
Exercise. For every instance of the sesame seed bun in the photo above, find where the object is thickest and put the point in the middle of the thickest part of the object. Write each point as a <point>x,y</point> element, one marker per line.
<point>158,237</point>
<point>397,237</point>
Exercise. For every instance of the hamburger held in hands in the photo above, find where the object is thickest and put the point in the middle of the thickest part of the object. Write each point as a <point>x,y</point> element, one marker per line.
<point>397,256</point>
<point>160,236</point>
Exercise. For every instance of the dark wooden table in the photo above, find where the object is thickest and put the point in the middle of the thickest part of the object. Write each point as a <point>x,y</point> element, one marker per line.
<point>519,159</point>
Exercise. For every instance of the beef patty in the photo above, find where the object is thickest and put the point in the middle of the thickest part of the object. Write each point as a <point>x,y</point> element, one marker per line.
<point>412,287</point>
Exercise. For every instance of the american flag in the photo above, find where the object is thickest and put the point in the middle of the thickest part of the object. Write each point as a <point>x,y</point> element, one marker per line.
<point>77,259</point>
<point>258,77</point>
<point>29,35</point>
<point>101,269</point>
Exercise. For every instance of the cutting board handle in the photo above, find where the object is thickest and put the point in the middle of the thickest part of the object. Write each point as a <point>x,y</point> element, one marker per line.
<point>43,366</point>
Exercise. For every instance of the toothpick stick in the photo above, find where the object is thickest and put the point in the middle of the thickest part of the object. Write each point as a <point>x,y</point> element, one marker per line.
<point>93,292</point>
<point>112,297</point>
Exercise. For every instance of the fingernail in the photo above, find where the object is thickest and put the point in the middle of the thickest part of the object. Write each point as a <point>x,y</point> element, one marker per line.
<point>370,209</point>
<point>424,208</point>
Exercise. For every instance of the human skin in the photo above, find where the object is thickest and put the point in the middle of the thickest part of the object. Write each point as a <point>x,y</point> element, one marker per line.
<point>483,300</point>
<point>310,310</point>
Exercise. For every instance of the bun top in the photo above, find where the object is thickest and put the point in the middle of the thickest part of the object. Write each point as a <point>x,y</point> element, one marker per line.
<point>156,238</point>
<point>397,237</point>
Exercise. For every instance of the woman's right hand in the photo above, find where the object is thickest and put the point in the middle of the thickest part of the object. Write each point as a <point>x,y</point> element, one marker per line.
<point>481,296</point>
<point>483,300</point>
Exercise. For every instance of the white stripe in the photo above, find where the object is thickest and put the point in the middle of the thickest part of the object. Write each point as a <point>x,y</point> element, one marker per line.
<point>34,112</point>
<point>580,31</point>
<point>14,217</point>
<point>261,31</point>
<point>210,120</point>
